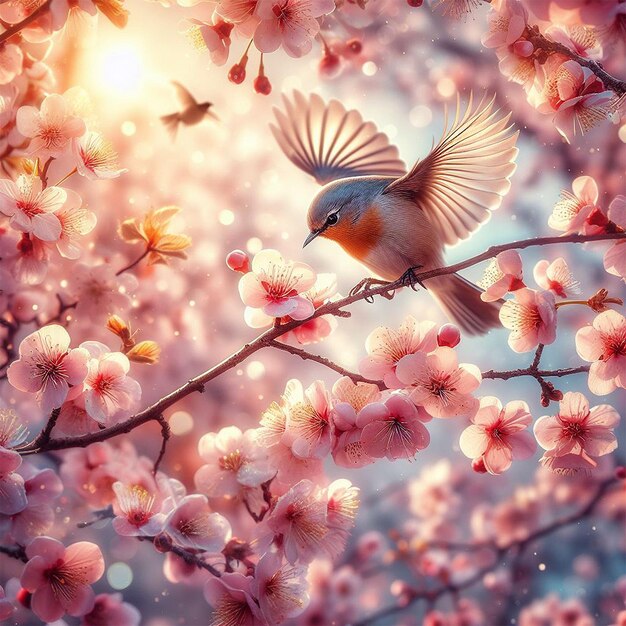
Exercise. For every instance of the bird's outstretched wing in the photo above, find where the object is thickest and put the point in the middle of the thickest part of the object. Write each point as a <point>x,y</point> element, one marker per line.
<point>329,142</point>
<point>466,174</point>
<point>183,96</point>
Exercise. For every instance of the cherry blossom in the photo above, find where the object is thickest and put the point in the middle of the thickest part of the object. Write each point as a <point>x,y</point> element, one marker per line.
<point>95,157</point>
<point>341,509</point>
<point>214,37</point>
<point>231,599</point>
<point>51,127</point>
<point>580,101</point>
<point>276,286</point>
<point>393,428</point>
<point>507,22</point>
<point>578,212</point>
<point>191,524</point>
<point>386,347</point>
<point>48,367</point>
<point>531,318</point>
<point>42,488</point>
<point>603,344</point>
<point>497,434</point>
<point>438,383</point>
<point>233,460</point>
<point>59,578</point>
<point>308,427</point>
<point>108,389</point>
<point>615,256</point>
<point>289,467</point>
<point>11,58</point>
<point>31,207</point>
<point>503,274</point>
<point>241,13</point>
<point>63,10</point>
<point>110,609</point>
<point>349,399</point>
<point>556,277</point>
<point>76,222</point>
<point>298,522</point>
<point>11,484</point>
<point>136,513</point>
<point>28,258</point>
<point>281,589</point>
<point>576,434</point>
<point>290,24</point>
<point>6,607</point>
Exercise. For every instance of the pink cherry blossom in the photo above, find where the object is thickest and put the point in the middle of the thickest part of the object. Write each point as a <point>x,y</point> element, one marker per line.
<point>99,291</point>
<point>76,222</point>
<point>579,212</point>
<point>615,256</point>
<point>6,607</point>
<point>393,428</point>
<point>289,468</point>
<point>74,420</point>
<point>59,578</point>
<point>212,36</point>
<point>11,58</point>
<point>556,277</point>
<point>603,344</point>
<point>231,599</point>
<point>531,318</point>
<point>62,11</point>
<point>507,22</point>
<point>192,525</point>
<point>298,522</point>
<point>109,392</point>
<point>318,328</point>
<point>12,489</point>
<point>386,347</point>
<point>580,100</point>
<point>136,512</point>
<point>308,429</point>
<point>27,258</point>
<point>47,366</point>
<point>241,13</point>
<point>42,488</point>
<point>281,588</point>
<point>576,434</point>
<point>109,609</point>
<point>233,460</point>
<point>275,286</point>
<point>349,399</point>
<point>32,208</point>
<point>95,157</point>
<point>51,127</point>
<point>341,509</point>
<point>581,39</point>
<point>290,24</point>
<point>439,383</point>
<point>503,274</point>
<point>498,434</point>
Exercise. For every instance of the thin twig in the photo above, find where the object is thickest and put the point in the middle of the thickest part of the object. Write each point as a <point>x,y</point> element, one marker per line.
<point>135,262</point>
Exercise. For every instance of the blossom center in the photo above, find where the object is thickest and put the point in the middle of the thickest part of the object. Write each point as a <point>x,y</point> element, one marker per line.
<point>231,462</point>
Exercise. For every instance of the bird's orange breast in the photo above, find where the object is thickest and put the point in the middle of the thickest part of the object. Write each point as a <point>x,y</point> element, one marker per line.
<point>357,239</point>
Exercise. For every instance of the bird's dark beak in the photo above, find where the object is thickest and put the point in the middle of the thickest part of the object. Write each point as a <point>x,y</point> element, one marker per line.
<point>312,235</point>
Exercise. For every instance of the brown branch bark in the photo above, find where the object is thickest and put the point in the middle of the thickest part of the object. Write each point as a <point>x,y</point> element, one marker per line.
<point>16,28</point>
<point>264,340</point>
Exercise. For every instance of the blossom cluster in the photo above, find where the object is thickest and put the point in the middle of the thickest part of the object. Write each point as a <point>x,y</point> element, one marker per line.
<point>555,83</point>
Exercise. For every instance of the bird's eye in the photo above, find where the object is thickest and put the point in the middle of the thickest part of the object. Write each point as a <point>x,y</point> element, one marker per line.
<point>332,219</point>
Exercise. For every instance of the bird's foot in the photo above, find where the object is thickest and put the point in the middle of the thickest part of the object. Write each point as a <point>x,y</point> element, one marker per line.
<point>410,278</point>
<point>369,283</point>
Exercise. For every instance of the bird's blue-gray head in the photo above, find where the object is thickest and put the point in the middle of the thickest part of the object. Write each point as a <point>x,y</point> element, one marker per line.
<point>341,206</point>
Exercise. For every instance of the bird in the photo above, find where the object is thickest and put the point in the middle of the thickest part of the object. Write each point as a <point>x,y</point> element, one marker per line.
<point>191,112</point>
<point>392,220</point>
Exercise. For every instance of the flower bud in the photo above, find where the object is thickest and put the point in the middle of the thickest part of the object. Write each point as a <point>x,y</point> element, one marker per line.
<point>262,85</point>
<point>330,64</point>
<point>162,542</point>
<point>24,597</point>
<point>353,47</point>
<point>238,261</point>
<point>237,73</point>
<point>620,472</point>
<point>449,335</point>
<point>478,465</point>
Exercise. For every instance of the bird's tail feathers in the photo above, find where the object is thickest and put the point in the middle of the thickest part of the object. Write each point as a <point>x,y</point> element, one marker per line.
<point>460,300</point>
<point>171,123</point>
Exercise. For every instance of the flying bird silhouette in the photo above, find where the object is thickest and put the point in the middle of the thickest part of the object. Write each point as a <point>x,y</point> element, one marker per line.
<point>392,220</point>
<point>191,112</point>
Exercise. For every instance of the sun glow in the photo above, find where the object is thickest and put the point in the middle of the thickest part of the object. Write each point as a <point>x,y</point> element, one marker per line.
<point>121,68</point>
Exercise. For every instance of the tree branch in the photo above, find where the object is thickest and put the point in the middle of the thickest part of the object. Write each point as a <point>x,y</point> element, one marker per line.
<point>264,340</point>
<point>16,28</point>
<point>453,588</point>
